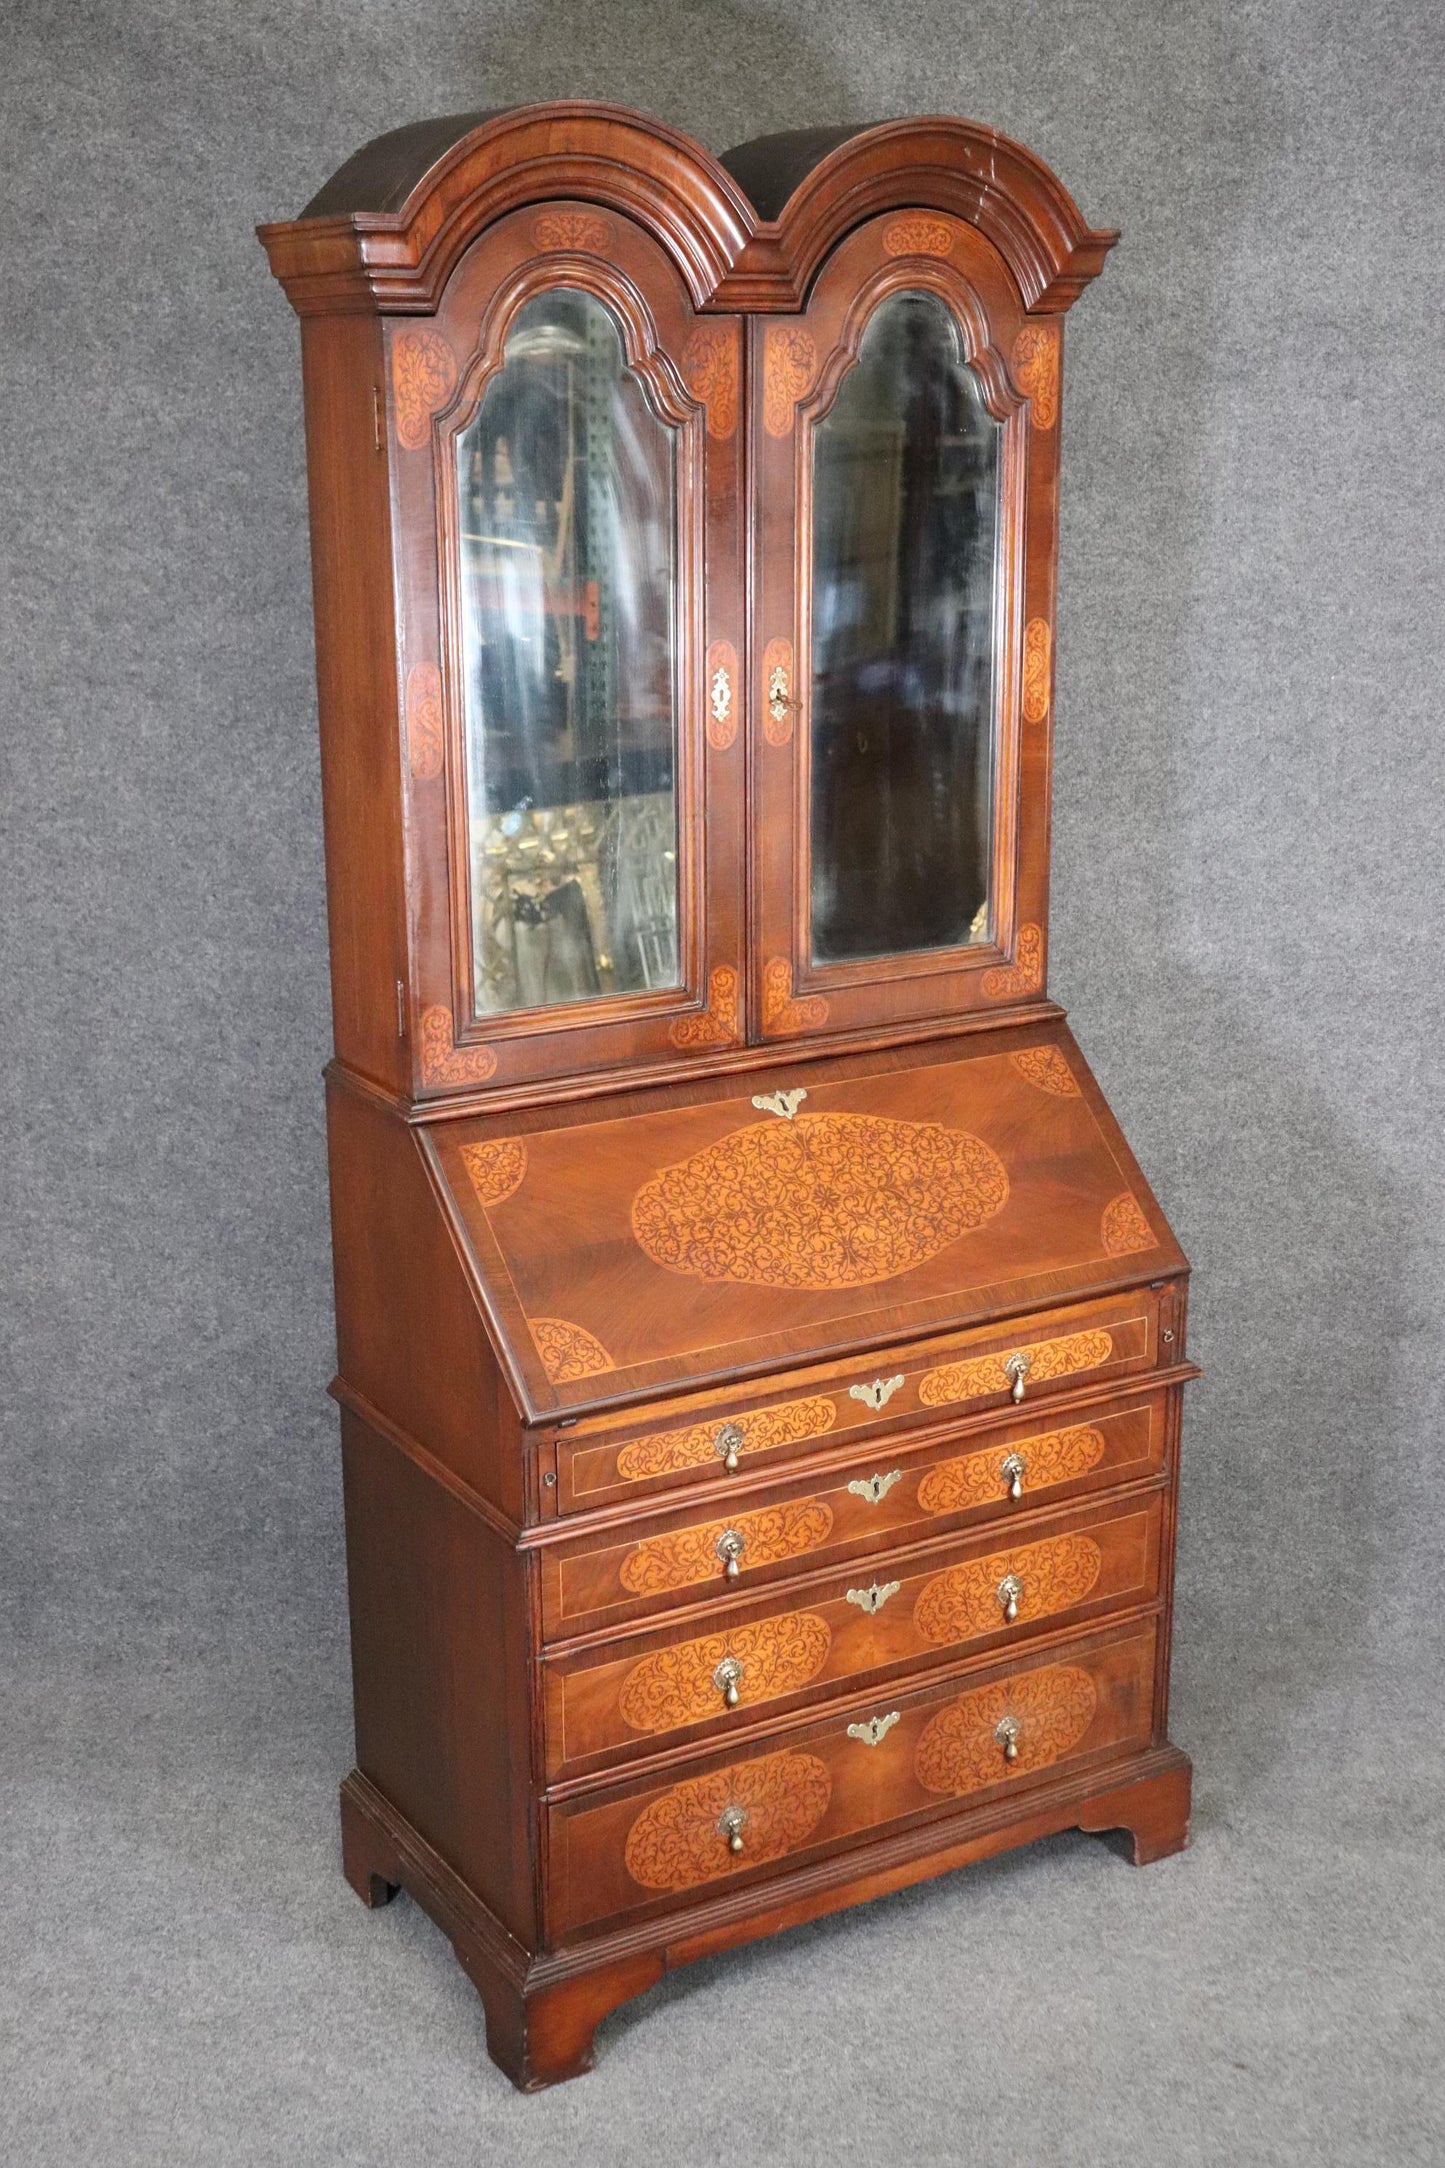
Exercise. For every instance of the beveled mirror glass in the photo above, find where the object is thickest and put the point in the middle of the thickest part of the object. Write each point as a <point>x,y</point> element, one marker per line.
<point>906,469</point>
<point>566,499</point>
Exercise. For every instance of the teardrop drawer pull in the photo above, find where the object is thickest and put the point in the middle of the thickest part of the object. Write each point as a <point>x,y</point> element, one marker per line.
<point>1006,1731</point>
<point>731,1824</point>
<point>728,1444</point>
<point>1018,1367</point>
<point>727,1679</point>
<point>1013,1468</point>
<point>730,1547</point>
<point>1010,1596</point>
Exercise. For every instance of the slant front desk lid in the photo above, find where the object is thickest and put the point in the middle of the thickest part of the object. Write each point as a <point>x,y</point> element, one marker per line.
<point>638,1246</point>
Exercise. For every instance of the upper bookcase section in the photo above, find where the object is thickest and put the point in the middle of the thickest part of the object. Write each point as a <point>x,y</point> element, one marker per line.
<point>748,230</point>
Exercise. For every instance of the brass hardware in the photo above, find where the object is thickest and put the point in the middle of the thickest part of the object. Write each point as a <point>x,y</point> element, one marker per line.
<point>875,1730</point>
<point>1018,1367</point>
<point>878,1394</point>
<point>730,1547</point>
<point>720,696</point>
<point>727,1679</point>
<point>727,1444</point>
<point>779,700</point>
<point>1006,1731</point>
<point>875,1488</point>
<point>1010,1594</point>
<point>1167,1338</point>
<point>1013,1468</point>
<point>731,1824</point>
<point>873,1598</point>
<point>784,1103</point>
<point>549,1480</point>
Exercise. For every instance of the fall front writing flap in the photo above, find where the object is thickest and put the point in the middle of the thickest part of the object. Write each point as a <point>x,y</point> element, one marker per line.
<point>746,1221</point>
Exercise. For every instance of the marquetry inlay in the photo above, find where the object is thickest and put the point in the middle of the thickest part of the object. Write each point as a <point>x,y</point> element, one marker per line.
<point>822,1201</point>
<point>717,1024</point>
<point>496,1169</point>
<point>763,1429</point>
<point>691,1554</point>
<point>574,230</point>
<point>1036,669</point>
<point>677,1841</point>
<point>1046,1067</point>
<point>678,1685</point>
<point>781,1012</point>
<point>1036,365</point>
<point>568,1351</point>
<point>1124,1228</point>
<point>423,378</point>
<point>424,743</point>
<point>443,1061</point>
<point>1006,982</point>
<point>964,1601</point>
<point>917,237</point>
<point>789,358</point>
<point>710,372</point>
<point>985,1374</point>
<point>977,1479</point>
<point>1051,1710</point>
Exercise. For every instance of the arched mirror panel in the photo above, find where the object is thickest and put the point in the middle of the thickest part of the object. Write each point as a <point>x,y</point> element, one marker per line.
<point>566,482</point>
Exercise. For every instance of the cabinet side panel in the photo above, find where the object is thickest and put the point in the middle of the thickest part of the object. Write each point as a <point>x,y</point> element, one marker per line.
<point>440,1669</point>
<point>357,691</point>
<point>409,1335</point>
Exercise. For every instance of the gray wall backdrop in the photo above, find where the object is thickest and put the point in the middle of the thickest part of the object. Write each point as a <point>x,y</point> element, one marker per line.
<point>1247,930</point>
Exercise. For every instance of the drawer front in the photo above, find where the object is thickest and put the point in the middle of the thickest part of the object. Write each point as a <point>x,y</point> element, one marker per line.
<point>891,1612</point>
<point>780,1419</point>
<point>911,1754</point>
<point>899,1495</point>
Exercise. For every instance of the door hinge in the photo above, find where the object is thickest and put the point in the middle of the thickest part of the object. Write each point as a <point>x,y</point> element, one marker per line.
<point>400,1009</point>
<point>378,416</point>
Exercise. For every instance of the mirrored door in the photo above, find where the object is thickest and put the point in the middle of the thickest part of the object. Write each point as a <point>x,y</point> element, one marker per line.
<point>900,806</point>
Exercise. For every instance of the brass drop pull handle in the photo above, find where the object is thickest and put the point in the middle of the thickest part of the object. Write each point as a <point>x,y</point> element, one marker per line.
<point>1010,1595</point>
<point>1006,1731</point>
<point>730,1547</point>
<point>731,1824</point>
<point>779,698</point>
<point>727,1679</point>
<point>1013,1468</point>
<point>728,1444</point>
<point>1018,1367</point>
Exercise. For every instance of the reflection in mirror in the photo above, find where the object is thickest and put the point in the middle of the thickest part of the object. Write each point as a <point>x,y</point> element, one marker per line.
<point>905,544</point>
<point>566,495</point>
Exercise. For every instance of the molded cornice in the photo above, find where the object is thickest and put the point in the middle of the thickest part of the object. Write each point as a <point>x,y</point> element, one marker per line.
<point>367,259</point>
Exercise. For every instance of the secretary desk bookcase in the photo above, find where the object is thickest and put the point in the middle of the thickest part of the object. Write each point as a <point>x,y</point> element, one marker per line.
<point>760,1355</point>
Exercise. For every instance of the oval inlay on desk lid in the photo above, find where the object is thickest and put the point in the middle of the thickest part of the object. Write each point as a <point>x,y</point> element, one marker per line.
<point>677,1839</point>
<point>677,1685</point>
<point>822,1201</point>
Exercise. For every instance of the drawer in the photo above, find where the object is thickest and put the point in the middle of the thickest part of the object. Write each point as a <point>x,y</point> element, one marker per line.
<point>909,1490</point>
<point>907,1755</point>
<point>777,1419</point>
<point>894,1611</point>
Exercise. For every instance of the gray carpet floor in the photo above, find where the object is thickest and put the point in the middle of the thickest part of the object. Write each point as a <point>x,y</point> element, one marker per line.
<point>189,1979</point>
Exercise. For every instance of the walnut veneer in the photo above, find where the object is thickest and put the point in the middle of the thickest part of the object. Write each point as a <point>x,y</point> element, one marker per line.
<point>760,1363</point>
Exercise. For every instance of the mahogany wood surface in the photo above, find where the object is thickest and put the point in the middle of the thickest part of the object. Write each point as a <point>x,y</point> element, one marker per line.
<point>634,1289</point>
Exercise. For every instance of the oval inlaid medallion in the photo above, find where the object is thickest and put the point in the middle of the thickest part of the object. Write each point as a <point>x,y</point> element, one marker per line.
<point>960,1750</point>
<point>677,1685</point>
<point>676,1840</point>
<point>667,1451</point>
<point>964,1602</point>
<point>691,1554</point>
<point>976,1479</point>
<point>986,1373</point>
<point>822,1201</point>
